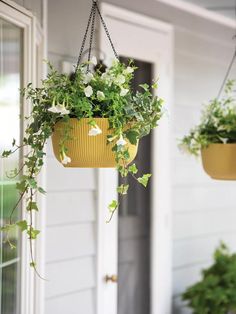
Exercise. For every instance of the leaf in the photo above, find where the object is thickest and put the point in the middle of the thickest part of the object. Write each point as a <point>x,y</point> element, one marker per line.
<point>123,189</point>
<point>41,190</point>
<point>133,169</point>
<point>32,183</point>
<point>33,233</point>
<point>32,206</point>
<point>22,224</point>
<point>6,153</point>
<point>32,264</point>
<point>144,179</point>
<point>20,186</point>
<point>132,136</point>
<point>7,227</point>
<point>113,206</point>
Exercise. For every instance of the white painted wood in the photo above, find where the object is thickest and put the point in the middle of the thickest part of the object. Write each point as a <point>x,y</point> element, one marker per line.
<point>155,35</point>
<point>69,276</point>
<point>72,303</point>
<point>60,178</point>
<point>70,242</point>
<point>200,12</point>
<point>194,224</point>
<point>70,207</point>
<point>192,251</point>
<point>106,293</point>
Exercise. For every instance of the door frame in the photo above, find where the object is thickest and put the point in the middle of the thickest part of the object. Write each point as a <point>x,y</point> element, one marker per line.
<point>161,209</point>
<point>31,294</point>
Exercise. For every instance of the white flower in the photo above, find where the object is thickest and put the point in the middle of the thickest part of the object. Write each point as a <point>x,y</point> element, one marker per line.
<point>224,140</point>
<point>88,91</point>
<point>94,131</point>
<point>66,159</point>
<point>120,79</point>
<point>121,141</point>
<point>87,78</point>
<point>94,60</point>
<point>123,91</point>
<point>100,95</point>
<point>128,70</point>
<point>61,109</point>
<point>53,109</point>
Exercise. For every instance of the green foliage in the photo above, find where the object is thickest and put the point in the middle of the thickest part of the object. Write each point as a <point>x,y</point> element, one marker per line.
<point>215,293</point>
<point>218,123</point>
<point>90,95</point>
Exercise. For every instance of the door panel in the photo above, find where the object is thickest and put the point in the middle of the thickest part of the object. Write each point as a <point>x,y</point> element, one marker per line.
<point>134,225</point>
<point>11,39</point>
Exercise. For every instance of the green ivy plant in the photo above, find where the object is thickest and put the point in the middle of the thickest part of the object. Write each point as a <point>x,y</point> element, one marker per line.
<point>87,94</point>
<point>218,123</point>
<point>215,292</point>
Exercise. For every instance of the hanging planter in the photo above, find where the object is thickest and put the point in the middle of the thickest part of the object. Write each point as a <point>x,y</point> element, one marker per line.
<point>219,161</point>
<point>94,118</point>
<point>215,137</point>
<point>85,150</point>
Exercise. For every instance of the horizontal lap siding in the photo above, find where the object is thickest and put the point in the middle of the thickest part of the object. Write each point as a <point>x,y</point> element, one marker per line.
<point>204,209</point>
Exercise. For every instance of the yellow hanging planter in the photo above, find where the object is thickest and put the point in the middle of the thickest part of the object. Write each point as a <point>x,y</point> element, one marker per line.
<point>219,161</point>
<point>88,151</point>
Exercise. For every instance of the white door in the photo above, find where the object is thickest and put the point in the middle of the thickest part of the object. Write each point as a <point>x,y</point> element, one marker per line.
<point>147,40</point>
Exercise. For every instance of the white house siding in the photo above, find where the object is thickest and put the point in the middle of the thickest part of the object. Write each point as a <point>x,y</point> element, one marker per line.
<point>35,6</point>
<point>204,209</point>
<point>71,193</point>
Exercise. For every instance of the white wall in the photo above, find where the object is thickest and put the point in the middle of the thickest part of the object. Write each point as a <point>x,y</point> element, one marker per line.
<point>204,209</point>
<point>71,193</point>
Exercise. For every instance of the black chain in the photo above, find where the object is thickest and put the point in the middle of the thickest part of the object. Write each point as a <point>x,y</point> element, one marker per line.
<point>91,34</point>
<point>230,65</point>
<point>85,37</point>
<point>107,32</point>
<point>92,18</point>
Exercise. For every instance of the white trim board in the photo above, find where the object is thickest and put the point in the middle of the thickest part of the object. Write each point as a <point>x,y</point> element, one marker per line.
<point>161,269</point>
<point>200,12</point>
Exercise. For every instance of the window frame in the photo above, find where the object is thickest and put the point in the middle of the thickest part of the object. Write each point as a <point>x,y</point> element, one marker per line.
<point>31,291</point>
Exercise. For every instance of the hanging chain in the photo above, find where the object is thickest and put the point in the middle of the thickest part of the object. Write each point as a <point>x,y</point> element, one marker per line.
<point>91,34</point>
<point>85,37</point>
<point>107,32</point>
<point>230,65</point>
<point>91,20</point>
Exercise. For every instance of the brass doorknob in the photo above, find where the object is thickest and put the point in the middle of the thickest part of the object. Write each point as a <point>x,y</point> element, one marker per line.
<point>112,278</point>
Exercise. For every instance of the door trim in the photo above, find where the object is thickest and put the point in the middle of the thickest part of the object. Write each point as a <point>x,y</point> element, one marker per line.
<point>161,227</point>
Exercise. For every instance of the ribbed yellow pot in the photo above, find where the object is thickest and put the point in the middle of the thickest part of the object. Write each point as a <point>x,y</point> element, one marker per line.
<point>219,161</point>
<point>88,151</point>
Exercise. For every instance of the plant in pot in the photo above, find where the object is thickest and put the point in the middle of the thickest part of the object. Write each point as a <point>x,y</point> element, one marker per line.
<point>215,136</point>
<point>215,292</point>
<point>94,119</point>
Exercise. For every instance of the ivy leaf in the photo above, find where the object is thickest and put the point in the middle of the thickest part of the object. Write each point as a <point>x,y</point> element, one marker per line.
<point>41,190</point>
<point>7,227</point>
<point>33,264</point>
<point>22,224</point>
<point>144,179</point>
<point>132,136</point>
<point>123,189</point>
<point>133,169</point>
<point>20,186</point>
<point>32,183</point>
<point>113,206</point>
<point>33,233</point>
<point>32,206</point>
<point>13,142</point>
<point>6,153</point>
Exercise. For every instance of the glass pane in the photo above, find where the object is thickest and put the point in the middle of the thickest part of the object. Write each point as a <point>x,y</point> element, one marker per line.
<point>10,289</point>
<point>10,82</point>
<point>134,225</point>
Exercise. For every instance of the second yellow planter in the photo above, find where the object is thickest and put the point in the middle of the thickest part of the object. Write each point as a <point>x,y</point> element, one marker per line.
<point>88,151</point>
<point>219,161</point>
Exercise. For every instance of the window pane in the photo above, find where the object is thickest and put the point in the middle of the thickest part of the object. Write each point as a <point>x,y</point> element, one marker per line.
<point>9,289</point>
<point>10,83</point>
